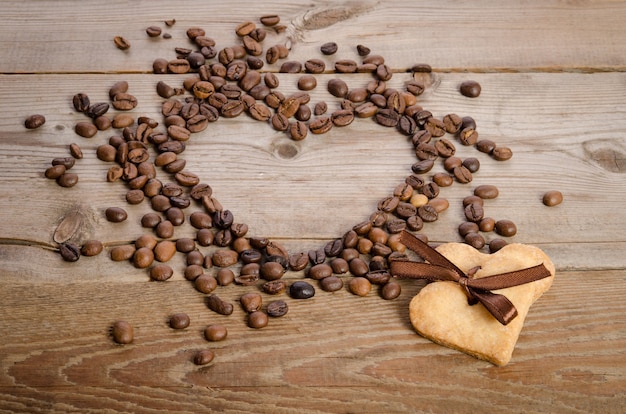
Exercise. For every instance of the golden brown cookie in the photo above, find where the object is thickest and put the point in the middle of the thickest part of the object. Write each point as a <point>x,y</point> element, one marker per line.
<point>440,311</point>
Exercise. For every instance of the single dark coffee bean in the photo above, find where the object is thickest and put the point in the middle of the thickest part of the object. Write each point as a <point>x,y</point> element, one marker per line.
<point>468,227</point>
<point>486,146</point>
<point>270,19</point>
<point>85,129</point>
<point>473,199</point>
<point>391,290</point>
<point>153,31</point>
<point>321,125</point>
<point>345,66</point>
<point>476,240</point>
<point>468,136</point>
<point>474,212</point>
<point>462,174</point>
<point>487,224</point>
<point>472,164</point>
<point>506,228</point>
<point>423,166</point>
<point>277,308</point>
<point>337,88</point>
<point>470,88</point>
<point>363,50</point>
<point>251,302</point>
<point>122,332</point>
<point>329,48</point>
<point>274,287</point>
<point>290,66</point>
<point>179,321</point>
<point>55,171</point>
<point>552,198</point>
<point>81,102</point>
<point>204,357</point>
<point>257,320</point>
<point>34,121</point>
<point>427,213</point>
<point>301,290</point>
<point>496,244</point>
<point>69,252</point>
<point>116,214</point>
<point>331,284</point>
<point>387,117</point>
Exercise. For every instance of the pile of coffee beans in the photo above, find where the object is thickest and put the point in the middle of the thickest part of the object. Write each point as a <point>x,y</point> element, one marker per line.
<point>226,83</point>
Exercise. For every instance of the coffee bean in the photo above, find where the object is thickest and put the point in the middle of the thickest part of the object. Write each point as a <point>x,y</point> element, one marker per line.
<point>427,213</point>
<point>472,164</point>
<point>153,31</point>
<point>476,240</point>
<point>331,284</point>
<point>468,227</point>
<point>291,66</point>
<point>69,252</point>
<point>486,146</point>
<point>219,306</point>
<point>277,308</point>
<point>143,257</point>
<point>474,212</point>
<point>215,333</point>
<point>122,253</point>
<point>179,321</point>
<point>224,258</point>
<point>165,249</point>
<point>204,357</point>
<point>55,172</point>
<point>124,102</point>
<point>116,214</point>
<point>337,88</point>
<point>329,48</point>
<point>122,332</point>
<point>257,320</point>
<point>391,290</point>
<point>469,88</point>
<point>360,286</point>
<point>91,248</point>
<point>81,103</point>
<point>506,228</point>
<point>487,224</point>
<point>358,267</point>
<point>387,117</point>
<point>321,125</point>
<point>301,290</point>
<point>274,287</point>
<point>251,302</point>
<point>552,198</point>
<point>272,271</point>
<point>121,43</point>
<point>307,82</point>
<point>345,66</point>
<point>85,129</point>
<point>462,174</point>
<point>502,153</point>
<point>486,191</point>
<point>270,19</point>
<point>34,121</point>
<point>496,244</point>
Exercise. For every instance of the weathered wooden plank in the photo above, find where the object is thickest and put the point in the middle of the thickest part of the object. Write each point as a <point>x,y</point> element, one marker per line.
<point>485,36</point>
<point>565,131</point>
<point>56,355</point>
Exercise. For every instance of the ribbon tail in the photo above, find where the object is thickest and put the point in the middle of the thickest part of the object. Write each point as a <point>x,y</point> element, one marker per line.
<point>498,305</point>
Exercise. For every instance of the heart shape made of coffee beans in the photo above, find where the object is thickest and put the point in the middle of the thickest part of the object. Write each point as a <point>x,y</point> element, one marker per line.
<point>229,83</point>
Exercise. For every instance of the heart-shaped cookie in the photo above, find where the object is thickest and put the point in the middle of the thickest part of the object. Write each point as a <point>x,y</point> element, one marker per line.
<point>441,313</point>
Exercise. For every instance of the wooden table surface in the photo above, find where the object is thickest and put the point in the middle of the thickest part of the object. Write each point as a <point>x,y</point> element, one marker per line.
<point>553,90</point>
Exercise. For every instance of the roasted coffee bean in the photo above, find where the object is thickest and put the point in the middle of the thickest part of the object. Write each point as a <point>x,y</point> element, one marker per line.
<point>331,284</point>
<point>472,164</point>
<point>358,267</point>
<point>338,88</point>
<point>185,245</point>
<point>205,283</point>
<point>122,253</point>
<point>274,287</point>
<point>69,252</point>
<point>445,148</point>
<point>451,163</point>
<point>427,213</point>
<point>486,146</point>
<point>150,220</point>
<point>34,121</point>
<point>215,333</point>
<point>472,199</point>
<point>339,265</point>
<point>81,102</point>
<point>406,125</point>
<point>496,244</point>
<point>251,302</point>
<point>349,254</point>
<point>552,198</point>
<point>153,31</point>
<point>345,66</point>
<point>486,191</point>
<point>474,212</point>
<point>165,249</point>
<point>121,43</point>
<point>272,270</point>
<point>85,129</point>
<point>414,223</point>
<point>55,171</point>
<point>161,272</point>
<point>116,214</point>
<point>391,290</point>
<point>218,305</point>
<point>179,321</point>
<point>443,179</point>
<point>103,123</point>
<point>462,174</point>
<point>502,153</point>
<point>225,258</point>
<point>225,277</point>
<point>342,117</point>
<point>204,357</point>
<point>270,19</point>
<point>159,66</point>
<point>360,286</point>
<point>423,166</point>
<point>387,117</point>
<point>384,72</point>
<point>506,228</point>
<point>468,227</point>
<point>257,320</point>
<point>124,102</point>
<point>320,271</point>
<point>421,137</point>
<point>307,83</point>
<point>476,240</point>
<point>75,151</point>
<point>468,136</point>
<point>301,290</point>
<point>291,66</point>
<point>122,332</point>
<point>91,248</point>
<point>135,196</point>
<point>487,224</point>
<point>321,125</point>
<point>415,87</point>
<point>194,258</point>
<point>452,123</point>
<point>329,48</point>
<point>470,88</point>
<point>277,308</point>
<point>187,178</point>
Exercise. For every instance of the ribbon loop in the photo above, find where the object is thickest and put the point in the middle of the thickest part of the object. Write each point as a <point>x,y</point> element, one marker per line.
<point>439,268</point>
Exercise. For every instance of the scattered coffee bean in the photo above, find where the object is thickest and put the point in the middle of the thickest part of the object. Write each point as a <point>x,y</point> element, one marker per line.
<point>34,121</point>
<point>69,252</point>
<point>391,290</point>
<point>301,290</point>
<point>329,48</point>
<point>471,89</point>
<point>277,308</point>
<point>506,228</point>
<point>121,43</point>
<point>257,320</point>
<point>360,286</point>
<point>116,214</point>
<point>218,305</point>
<point>251,302</point>
<point>204,357</point>
<point>122,332</point>
<point>215,333</point>
<point>552,198</point>
<point>179,321</point>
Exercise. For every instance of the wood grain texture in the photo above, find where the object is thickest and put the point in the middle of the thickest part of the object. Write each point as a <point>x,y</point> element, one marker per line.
<point>553,89</point>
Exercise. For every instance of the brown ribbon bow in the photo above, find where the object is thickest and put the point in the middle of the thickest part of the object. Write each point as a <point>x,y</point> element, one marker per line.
<point>439,268</point>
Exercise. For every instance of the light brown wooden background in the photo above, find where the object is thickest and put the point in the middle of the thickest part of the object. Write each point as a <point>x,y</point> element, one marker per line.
<point>554,90</point>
